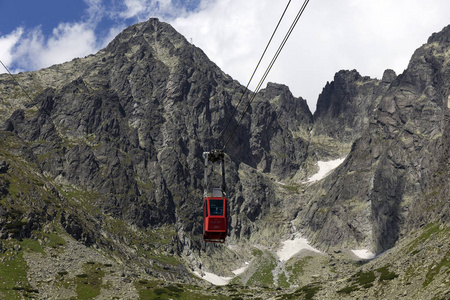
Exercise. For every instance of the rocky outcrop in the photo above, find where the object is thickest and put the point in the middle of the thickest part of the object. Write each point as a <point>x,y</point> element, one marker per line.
<point>387,185</point>
<point>279,127</point>
<point>346,104</point>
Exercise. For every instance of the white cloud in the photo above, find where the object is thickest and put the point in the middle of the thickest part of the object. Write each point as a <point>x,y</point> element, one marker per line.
<point>7,44</point>
<point>34,51</point>
<point>95,11</point>
<point>67,42</point>
<point>134,8</point>
<point>27,51</point>
<point>141,10</point>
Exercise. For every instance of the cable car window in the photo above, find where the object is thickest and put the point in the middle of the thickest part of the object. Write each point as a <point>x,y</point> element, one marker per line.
<point>216,207</point>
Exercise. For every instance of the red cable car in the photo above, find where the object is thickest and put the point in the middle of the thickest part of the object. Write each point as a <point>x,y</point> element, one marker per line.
<point>215,213</point>
<point>215,217</point>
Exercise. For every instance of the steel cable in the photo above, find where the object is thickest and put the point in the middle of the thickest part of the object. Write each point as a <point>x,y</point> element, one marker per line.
<point>253,74</point>
<point>283,43</point>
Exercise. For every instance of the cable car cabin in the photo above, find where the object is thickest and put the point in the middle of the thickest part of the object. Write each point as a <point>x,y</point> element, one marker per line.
<point>215,217</point>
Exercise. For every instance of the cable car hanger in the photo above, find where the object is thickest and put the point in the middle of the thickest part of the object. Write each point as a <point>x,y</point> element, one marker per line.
<point>215,206</point>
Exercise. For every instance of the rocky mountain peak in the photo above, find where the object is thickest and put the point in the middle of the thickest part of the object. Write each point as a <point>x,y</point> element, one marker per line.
<point>293,112</point>
<point>155,37</point>
<point>331,100</point>
<point>345,104</point>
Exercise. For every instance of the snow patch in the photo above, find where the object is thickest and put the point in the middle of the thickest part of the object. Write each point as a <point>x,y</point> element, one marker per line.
<point>221,280</point>
<point>292,247</point>
<point>213,278</point>
<point>325,167</point>
<point>364,254</point>
<point>240,270</point>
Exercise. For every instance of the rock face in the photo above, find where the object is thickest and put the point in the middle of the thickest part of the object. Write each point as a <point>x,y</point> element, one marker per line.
<point>109,152</point>
<point>278,126</point>
<point>345,104</point>
<point>389,182</point>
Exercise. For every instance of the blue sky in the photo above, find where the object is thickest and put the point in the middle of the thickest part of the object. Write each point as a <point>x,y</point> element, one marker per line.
<point>46,13</point>
<point>367,35</point>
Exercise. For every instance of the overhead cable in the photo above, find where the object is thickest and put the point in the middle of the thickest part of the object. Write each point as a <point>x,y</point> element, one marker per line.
<point>253,74</point>
<point>286,37</point>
